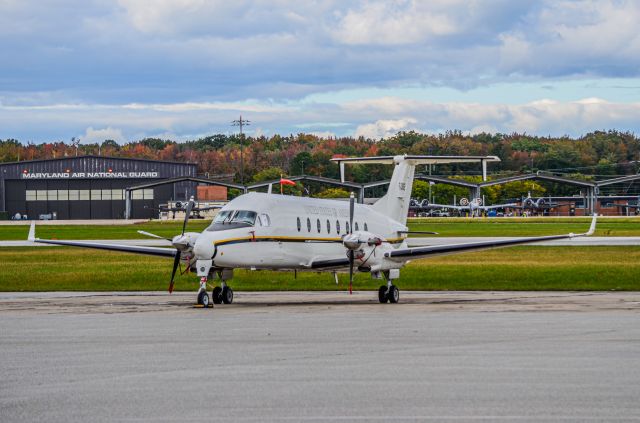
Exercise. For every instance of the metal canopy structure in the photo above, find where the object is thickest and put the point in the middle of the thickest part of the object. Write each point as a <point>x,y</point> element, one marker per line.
<point>448,181</point>
<point>539,176</point>
<point>129,190</point>
<point>591,187</point>
<point>622,179</point>
<point>320,179</point>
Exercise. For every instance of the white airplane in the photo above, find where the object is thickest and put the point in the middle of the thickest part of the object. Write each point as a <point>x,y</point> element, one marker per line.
<point>276,232</point>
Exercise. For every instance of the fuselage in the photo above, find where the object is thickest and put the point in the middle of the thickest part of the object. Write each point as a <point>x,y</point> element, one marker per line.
<point>270,231</point>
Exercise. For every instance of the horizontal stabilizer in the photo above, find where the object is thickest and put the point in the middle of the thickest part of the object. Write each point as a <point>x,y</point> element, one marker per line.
<point>416,160</point>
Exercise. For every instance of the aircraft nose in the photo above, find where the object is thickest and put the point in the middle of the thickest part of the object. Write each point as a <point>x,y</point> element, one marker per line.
<point>204,248</point>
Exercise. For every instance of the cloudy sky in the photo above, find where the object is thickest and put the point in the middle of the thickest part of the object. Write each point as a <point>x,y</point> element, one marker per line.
<point>180,69</point>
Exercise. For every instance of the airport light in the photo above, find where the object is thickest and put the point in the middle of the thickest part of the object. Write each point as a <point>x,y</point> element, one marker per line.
<point>241,122</point>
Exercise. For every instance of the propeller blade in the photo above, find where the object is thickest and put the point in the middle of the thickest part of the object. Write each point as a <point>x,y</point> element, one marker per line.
<point>176,262</point>
<point>352,205</point>
<point>152,235</point>
<point>187,213</point>
<point>351,259</point>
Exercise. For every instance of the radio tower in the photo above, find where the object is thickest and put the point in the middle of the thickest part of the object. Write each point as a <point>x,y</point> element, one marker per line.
<point>241,122</point>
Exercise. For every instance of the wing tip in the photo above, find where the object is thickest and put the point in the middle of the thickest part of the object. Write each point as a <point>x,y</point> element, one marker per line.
<point>592,228</point>
<point>32,232</point>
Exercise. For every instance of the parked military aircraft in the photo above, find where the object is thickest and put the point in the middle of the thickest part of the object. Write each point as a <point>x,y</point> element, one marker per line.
<point>181,206</point>
<point>473,207</point>
<point>280,232</point>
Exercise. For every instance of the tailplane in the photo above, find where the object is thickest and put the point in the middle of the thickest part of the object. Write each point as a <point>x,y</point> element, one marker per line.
<point>395,204</point>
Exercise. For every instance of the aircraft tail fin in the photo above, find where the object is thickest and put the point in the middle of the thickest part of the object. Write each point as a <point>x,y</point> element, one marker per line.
<point>395,204</point>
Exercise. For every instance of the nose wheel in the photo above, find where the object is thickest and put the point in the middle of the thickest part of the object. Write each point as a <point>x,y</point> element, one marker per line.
<point>203,299</point>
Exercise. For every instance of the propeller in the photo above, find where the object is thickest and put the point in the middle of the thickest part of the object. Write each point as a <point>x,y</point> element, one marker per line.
<point>153,235</point>
<point>176,260</point>
<point>187,213</point>
<point>176,263</point>
<point>352,253</point>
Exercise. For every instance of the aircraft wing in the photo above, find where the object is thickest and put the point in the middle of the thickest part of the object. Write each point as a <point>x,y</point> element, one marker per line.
<point>330,264</point>
<point>153,251</point>
<point>445,206</point>
<point>435,250</point>
<point>498,206</point>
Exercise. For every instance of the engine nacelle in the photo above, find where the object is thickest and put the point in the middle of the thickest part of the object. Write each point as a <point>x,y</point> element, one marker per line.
<point>185,242</point>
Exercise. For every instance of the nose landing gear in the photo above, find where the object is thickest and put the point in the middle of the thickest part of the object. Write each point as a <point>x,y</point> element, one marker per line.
<point>203,297</point>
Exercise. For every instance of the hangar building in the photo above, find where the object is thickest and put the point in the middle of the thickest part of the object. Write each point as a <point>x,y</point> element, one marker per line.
<point>89,187</point>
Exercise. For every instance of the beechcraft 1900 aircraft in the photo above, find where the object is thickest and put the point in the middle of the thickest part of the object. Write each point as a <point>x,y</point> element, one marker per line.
<point>260,231</point>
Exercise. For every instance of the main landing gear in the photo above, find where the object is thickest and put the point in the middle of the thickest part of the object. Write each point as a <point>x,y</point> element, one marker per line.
<point>222,294</point>
<point>389,293</point>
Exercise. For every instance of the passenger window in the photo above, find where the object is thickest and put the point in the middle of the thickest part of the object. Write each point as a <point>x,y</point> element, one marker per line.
<point>299,225</point>
<point>357,226</point>
<point>319,226</point>
<point>365,227</point>
<point>264,220</point>
<point>328,226</point>
<point>346,226</point>
<point>338,227</point>
<point>308,225</point>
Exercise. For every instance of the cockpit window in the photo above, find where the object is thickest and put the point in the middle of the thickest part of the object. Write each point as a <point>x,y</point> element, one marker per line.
<point>235,217</point>
<point>222,216</point>
<point>244,216</point>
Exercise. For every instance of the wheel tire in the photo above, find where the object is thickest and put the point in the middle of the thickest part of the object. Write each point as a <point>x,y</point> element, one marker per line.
<point>203,299</point>
<point>382,295</point>
<point>394,294</point>
<point>227,295</point>
<point>216,295</point>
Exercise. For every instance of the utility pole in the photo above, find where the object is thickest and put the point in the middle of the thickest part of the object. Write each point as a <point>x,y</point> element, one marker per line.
<point>241,122</point>
<point>75,142</point>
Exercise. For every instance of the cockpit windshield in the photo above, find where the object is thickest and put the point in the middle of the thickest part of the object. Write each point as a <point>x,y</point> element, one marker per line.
<point>234,218</point>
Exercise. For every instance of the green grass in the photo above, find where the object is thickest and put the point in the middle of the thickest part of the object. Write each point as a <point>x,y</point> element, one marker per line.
<point>444,226</point>
<point>519,268</point>
<point>525,226</point>
<point>165,229</point>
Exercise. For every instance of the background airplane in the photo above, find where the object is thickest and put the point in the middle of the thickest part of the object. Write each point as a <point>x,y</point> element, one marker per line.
<point>473,207</point>
<point>182,207</point>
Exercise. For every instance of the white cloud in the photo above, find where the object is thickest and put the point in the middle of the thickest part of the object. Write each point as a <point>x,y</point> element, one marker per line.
<point>323,134</point>
<point>374,118</point>
<point>397,22</point>
<point>384,128</point>
<point>99,135</point>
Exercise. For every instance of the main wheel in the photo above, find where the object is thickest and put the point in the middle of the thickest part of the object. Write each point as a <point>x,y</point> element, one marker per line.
<point>382,294</point>
<point>203,298</point>
<point>227,295</point>
<point>216,295</point>
<point>394,294</point>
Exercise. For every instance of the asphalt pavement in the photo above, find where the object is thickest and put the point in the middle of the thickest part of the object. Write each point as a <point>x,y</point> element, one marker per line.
<point>437,356</point>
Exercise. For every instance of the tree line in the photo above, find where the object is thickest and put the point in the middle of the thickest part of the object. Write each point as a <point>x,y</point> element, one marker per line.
<point>595,155</point>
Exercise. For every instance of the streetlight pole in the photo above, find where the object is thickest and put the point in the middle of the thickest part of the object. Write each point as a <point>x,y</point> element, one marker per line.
<point>241,122</point>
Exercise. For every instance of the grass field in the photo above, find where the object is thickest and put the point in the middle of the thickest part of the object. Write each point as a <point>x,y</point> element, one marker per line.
<point>519,268</point>
<point>444,226</point>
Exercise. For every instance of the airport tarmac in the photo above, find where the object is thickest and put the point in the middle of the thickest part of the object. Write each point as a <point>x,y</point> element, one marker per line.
<point>321,356</point>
